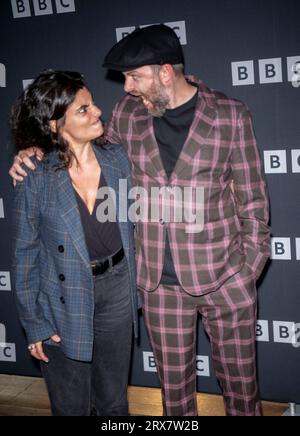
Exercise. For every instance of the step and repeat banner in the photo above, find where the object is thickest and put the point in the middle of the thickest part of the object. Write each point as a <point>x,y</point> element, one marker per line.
<point>248,49</point>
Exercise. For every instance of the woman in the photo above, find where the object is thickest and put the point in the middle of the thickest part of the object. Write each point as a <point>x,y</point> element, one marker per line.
<point>74,275</point>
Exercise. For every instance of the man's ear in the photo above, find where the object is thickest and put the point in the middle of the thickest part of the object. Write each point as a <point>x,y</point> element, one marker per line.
<point>166,73</point>
<point>53,126</point>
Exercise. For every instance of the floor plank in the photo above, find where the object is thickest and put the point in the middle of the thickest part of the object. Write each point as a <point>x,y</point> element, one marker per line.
<point>27,396</point>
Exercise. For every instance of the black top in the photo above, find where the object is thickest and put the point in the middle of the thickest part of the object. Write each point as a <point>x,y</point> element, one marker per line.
<point>102,239</point>
<point>171,132</point>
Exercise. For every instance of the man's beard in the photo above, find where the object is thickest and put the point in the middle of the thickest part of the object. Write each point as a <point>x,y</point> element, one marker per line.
<point>158,98</point>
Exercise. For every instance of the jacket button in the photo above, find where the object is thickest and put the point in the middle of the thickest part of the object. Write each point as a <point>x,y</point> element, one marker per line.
<point>62,277</point>
<point>61,248</point>
<point>62,300</point>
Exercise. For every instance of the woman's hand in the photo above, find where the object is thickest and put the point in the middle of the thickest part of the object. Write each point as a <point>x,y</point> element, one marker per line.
<point>36,350</point>
<point>16,171</point>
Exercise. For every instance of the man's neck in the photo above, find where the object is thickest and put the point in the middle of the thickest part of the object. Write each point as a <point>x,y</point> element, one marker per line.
<point>181,92</point>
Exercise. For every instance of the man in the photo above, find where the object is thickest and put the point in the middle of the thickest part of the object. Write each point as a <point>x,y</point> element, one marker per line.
<point>179,133</point>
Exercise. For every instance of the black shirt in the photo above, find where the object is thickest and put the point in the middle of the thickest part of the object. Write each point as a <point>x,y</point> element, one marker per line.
<point>102,239</point>
<point>171,131</point>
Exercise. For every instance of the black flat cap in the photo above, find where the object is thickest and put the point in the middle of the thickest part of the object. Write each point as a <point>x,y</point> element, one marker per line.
<point>152,45</point>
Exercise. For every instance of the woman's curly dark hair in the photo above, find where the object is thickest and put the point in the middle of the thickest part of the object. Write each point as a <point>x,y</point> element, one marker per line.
<point>46,98</point>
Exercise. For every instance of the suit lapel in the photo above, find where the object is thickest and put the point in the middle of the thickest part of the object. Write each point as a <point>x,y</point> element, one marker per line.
<point>147,141</point>
<point>203,123</point>
<point>68,209</point>
<point>110,168</point>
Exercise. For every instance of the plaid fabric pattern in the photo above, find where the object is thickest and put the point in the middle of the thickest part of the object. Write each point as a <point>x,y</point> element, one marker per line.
<point>228,316</point>
<point>220,150</point>
<point>54,289</point>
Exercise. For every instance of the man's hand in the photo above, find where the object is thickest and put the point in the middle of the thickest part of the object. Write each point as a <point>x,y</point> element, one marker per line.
<point>16,171</point>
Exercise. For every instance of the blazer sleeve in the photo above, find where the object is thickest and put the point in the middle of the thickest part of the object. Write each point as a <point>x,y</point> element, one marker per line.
<point>25,262</point>
<point>250,194</point>
<point>112,134</point>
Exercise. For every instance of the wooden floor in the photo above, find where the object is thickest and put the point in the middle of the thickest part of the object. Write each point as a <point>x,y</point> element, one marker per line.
<point>27,396</point>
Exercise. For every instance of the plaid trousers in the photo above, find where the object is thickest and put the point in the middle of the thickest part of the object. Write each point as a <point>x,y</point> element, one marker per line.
<point>229,318</point>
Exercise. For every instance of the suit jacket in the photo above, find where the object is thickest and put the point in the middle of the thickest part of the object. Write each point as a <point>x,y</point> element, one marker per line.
<point>53,280</point>
<point>220,149</point>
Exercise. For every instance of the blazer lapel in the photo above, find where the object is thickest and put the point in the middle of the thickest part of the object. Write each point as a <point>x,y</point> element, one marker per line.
<point>109,167</point>
<point>147,147</point>
<point>112,174</point>
<point>68,209</point>
<point>203,123</point>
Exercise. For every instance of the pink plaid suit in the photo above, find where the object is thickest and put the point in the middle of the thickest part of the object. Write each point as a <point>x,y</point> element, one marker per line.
<point>217,267</point>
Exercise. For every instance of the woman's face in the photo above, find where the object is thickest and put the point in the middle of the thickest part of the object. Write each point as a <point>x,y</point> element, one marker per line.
<point>82,120</point>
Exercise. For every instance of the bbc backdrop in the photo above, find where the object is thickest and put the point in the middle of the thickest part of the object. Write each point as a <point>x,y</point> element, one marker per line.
<point>250,50</point>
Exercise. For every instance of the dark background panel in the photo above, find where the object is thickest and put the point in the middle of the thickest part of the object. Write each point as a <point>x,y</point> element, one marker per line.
<point>218,33</point>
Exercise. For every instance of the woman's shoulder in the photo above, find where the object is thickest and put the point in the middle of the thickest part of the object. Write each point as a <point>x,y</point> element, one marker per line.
<point>116,155</point>
<point>111,148</point>
<point>114,150</point>
<point>37,171</point>
<point>33,181</point>
<point>41,170</point>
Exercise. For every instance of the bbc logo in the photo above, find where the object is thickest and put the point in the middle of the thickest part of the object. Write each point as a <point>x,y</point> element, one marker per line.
<point>5,283</point>
<point>276,161</point>
<point>262,331</point>
<point>283,331</point>
<point>2,76</point>
<point>270,71</point>
<point>22,9</point>
<point>7,351</point>
<point>178,27</point>
<point>202,364</point>
<point>1,208</point>
<point>281,249</point>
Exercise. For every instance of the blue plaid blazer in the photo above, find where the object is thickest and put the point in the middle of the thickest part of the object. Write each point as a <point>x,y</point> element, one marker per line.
<point>46,218</point>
